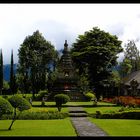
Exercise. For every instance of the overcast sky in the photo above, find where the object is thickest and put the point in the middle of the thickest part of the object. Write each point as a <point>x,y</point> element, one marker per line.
<point>60,22</point>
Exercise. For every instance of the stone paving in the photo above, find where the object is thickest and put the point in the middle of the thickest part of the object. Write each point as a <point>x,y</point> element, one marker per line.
<point>83,126</point>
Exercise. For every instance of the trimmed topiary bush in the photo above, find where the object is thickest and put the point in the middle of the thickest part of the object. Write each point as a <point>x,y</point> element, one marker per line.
<point>5,107</point>
<point>90,96</point>
<point>19,103</point>
<point>61,99</point>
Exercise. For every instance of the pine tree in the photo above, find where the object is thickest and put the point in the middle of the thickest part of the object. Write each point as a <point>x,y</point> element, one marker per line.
<point>1,72</point>
<point>132,54</point>
<point>12,76</point>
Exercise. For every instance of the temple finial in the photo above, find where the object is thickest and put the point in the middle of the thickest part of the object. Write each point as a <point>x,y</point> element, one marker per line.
<point>66,45</point>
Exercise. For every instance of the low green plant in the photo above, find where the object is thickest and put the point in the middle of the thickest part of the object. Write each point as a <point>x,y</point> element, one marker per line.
<point>119,115</point>
<point>27,115</point>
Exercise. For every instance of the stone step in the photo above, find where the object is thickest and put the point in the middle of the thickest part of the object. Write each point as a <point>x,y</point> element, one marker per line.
<point>77,114</point>
<point>77,111</point>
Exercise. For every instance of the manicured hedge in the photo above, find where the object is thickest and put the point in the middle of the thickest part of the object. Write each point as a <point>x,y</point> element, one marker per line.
<point>38,115</point>
<point>118,115</point>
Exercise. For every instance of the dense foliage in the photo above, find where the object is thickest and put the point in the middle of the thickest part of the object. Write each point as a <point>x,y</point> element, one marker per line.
<point>94,54</point>
<point>35,57</point>
<point>132,54</point>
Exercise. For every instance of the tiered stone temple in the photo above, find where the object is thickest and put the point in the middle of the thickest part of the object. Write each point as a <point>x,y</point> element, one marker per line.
<point>67,79</point>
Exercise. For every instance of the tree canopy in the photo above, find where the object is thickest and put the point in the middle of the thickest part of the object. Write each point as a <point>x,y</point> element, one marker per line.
<point>132,54</point>
<point>35,56</point>
<point>125,67</point>
<point>96,51</point>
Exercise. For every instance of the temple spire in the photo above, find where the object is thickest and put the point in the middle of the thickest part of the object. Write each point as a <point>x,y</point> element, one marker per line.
<point>65,46</point>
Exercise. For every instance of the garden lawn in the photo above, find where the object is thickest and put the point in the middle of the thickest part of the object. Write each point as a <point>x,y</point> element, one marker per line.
<point>90,104</point>
<point>67,104</point>
<point>105,109</point>
<point>46,103</point>
<point>79,103</point>
<point>62,127</point>
<point>118,127</point>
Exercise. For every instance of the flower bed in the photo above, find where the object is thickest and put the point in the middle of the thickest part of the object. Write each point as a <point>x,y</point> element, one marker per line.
<point>124,101</point>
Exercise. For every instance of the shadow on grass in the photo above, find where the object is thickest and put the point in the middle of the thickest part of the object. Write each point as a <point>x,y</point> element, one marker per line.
<point>4,129</point>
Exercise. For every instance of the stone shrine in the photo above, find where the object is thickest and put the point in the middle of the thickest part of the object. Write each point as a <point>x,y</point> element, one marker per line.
<point>67,79</point>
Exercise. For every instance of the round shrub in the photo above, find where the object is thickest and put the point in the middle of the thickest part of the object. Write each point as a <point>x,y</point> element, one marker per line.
<point>19,102</point>
<point>90,96</point>
<point>5,107</point>
<point>61,99</point>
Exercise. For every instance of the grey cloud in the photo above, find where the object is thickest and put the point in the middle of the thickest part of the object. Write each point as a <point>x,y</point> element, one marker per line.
<point>117,29</point>
<point>53,31</point>
<point>57,32</point>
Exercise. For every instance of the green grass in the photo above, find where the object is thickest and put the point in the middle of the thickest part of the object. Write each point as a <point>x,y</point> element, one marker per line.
<point>39,103</point>
<point>79,103</point>
<point>101,106</point>
<point>67,104</point>
<point>37,128</point>
<point>101,109</point>
<point>105,104</point>
<point>118,127</point>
